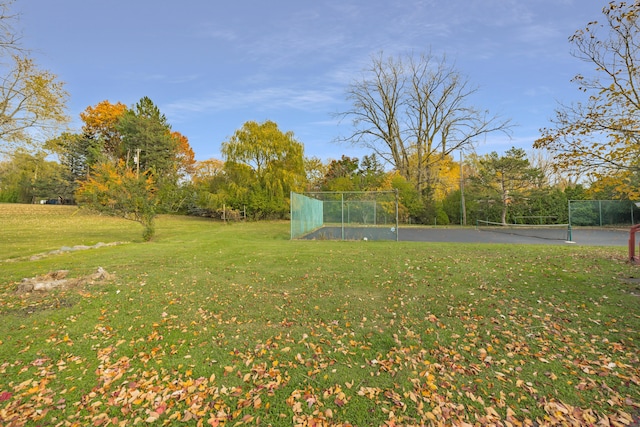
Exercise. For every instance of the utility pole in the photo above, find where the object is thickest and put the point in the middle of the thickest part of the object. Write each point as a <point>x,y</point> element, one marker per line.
<point>137,159</point>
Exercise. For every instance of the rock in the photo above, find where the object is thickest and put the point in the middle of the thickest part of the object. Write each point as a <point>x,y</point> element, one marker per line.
<point>58,280</point>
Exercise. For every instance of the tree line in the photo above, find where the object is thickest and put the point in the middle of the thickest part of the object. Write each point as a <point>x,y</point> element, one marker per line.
<point>412,113</point>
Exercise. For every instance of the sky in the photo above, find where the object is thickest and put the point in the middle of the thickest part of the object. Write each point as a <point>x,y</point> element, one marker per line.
<point>210,66</point>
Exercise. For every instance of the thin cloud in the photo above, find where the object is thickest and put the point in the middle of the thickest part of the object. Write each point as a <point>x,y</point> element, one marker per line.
<point>274,98</point>
<point>158,77</point>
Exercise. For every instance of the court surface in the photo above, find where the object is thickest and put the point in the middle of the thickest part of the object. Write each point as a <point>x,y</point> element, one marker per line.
<point>579,236</point>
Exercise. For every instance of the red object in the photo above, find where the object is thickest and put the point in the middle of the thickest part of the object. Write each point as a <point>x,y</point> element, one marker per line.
<point>632,244</point>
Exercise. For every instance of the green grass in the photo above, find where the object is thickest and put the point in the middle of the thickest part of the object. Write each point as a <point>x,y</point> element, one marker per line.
<point>234,323</point>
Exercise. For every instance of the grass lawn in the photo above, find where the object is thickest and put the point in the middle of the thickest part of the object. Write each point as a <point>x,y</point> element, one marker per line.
<point>229,324</point>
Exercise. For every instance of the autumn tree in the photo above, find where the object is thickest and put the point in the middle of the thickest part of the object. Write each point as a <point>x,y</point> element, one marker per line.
<point>263,165</point>
<point>100,123</point>
<point>98,142</point>
<point>208,183</point>
<point>118,190</point>
<point>341,174</point>
<point>601,135</point>
<point>412,112</point>
<point>184,156</point>
<point>32,100</point>
<point>135,162</point>
<point>206,170</point>
<point>315,170</point>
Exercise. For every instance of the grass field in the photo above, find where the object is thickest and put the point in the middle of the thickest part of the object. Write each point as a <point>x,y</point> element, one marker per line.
<point>230,324</point>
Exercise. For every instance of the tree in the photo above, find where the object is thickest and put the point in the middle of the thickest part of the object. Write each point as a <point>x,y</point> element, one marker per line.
<point>315,171</point>
<point>340,175</point>
<point>32,100</point>
<point>371,173</point>
<point>185,157</point>
<point>119,191</point>
<point>263,165</point>
<point>27,177</point>
<point>146,139</point>
<point>207,183</point>
<point>100,123</point>
<point>8,39</point>
<point>135,162</point>
<point>99,141</point>
<point>77,154</point>
<point>506,176</point>
<point>410,205</point>
<point>206,170</point>
<point>602,135</point>
<point>413,112</point>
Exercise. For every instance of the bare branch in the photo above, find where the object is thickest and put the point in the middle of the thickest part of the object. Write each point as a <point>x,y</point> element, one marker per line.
<point>602,135</point>
<point>413,112</point>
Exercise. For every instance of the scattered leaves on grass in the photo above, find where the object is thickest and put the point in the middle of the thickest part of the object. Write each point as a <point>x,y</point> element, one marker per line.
<point>486,348</point>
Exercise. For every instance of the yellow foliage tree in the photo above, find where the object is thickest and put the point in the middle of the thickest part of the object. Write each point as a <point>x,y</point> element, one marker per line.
<point>100,123</point>
<point>32,102</point>
<point>205,170</point>
<point>185,157</point>
<point>602,135</point>
<point>118,191</point>
<point>445,177</point>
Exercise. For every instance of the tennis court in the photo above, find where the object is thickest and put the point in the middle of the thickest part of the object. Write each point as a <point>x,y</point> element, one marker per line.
<point>586,236</point>
<point>579,236</point>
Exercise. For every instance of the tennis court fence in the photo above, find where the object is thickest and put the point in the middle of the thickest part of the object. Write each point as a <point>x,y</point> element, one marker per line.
<point>347,215</point>
<point>603,213</point>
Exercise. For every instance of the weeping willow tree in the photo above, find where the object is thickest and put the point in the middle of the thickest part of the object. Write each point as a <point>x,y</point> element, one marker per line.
<point>262,166</point>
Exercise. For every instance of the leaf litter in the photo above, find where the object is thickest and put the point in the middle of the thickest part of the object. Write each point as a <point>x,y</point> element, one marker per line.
<point>494,353</point>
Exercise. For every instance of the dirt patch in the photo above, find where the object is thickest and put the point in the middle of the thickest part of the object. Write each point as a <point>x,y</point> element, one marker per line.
<point>634,285</point>
<point>63,250</point>
<point>58,280</point>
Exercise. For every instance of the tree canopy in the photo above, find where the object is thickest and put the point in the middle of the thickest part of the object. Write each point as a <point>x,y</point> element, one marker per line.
<point>100,123</point>
<point>32,100</point>
<point>601,136</point>
<point>507,176</point>
<point>119,191</point>
<point>414,111</point>
<point>146,138</point>
<point>263,165</point>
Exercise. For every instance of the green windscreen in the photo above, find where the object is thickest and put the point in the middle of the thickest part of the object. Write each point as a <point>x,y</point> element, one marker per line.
<point>306,215</point>
<point>345,215</point>
<point>603,213</point>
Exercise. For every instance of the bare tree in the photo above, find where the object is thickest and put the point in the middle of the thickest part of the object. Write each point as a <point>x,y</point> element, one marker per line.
<point>413,112</point>
<point>554,177</point>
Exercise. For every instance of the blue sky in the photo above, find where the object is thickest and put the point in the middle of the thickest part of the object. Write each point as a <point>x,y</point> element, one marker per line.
<point>210,66</point>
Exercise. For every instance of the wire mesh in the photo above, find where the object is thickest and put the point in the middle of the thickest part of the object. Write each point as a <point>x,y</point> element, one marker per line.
<point>603,213</point>
<point>364,215</point>
<point>307,214</point>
